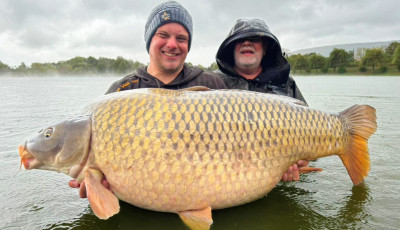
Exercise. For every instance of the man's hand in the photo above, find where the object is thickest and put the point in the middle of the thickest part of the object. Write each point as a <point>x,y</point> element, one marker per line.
<point>82,188</point>
<point>293,173</point>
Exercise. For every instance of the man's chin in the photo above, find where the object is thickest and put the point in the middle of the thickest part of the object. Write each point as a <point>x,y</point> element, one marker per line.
<point>172,68</point>
<point>249,64</point>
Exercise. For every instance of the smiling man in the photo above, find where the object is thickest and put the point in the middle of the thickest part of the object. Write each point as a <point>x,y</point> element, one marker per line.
<point>250,58</point>
<point>168,35</point>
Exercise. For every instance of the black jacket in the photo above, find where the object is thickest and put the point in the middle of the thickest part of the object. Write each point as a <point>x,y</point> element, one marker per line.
<point>275,74</point>
<point>190,76</point>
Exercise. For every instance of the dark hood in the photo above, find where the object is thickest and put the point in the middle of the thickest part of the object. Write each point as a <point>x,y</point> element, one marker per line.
<point>275,67</point>
<point>187,75</point>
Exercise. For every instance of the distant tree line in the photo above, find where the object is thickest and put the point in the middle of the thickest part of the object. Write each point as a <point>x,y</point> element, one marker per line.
<point>75,66</point>
<point>80,66</point>
<point>339,60</point>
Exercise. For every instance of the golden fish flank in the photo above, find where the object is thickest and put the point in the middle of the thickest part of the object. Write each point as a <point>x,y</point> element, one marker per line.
<point>182,138</point>
<point>189,152</point>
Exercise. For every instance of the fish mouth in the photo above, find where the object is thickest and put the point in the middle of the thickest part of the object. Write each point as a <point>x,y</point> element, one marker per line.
<point>27,159</point>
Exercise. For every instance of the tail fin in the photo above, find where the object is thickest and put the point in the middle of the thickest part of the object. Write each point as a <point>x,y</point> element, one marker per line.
<point>362,124</point>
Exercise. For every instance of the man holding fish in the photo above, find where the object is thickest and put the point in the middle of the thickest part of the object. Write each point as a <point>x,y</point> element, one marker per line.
<point>168,35</point>
<point>192,152</point>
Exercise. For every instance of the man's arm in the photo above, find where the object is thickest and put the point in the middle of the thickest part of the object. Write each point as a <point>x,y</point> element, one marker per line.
<point>126,83</point>
<point>294,91</point>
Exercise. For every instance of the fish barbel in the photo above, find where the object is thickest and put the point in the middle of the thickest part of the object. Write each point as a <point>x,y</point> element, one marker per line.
<point>194,150</point>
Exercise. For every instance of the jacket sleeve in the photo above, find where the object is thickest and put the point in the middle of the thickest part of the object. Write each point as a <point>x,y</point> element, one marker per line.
<point>211,80</point>
<point>294,91</point>
<point>126,83</point>
<point>114,87</point>
<point>219,83</point>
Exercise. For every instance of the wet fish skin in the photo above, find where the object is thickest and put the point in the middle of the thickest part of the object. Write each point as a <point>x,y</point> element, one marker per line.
<point>181,154</point>
<point>182,150</point>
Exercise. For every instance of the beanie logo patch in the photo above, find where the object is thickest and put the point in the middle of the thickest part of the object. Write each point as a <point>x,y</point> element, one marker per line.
<point>166,16</point>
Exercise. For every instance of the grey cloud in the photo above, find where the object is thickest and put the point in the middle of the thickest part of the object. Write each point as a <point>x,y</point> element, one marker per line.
<point>59,29</point>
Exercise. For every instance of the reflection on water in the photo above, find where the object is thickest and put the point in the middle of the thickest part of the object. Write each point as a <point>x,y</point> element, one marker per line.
<point>324,200</point>
<point>354,210</point>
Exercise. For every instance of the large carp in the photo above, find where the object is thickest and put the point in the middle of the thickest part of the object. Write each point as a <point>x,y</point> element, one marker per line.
<point>194,150</point>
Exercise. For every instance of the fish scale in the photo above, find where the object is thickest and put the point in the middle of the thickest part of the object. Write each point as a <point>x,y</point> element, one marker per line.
<point>233,123</point>
<point>194,150</point>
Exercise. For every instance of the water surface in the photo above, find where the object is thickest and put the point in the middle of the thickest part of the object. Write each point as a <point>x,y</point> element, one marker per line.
<point>40,199</point>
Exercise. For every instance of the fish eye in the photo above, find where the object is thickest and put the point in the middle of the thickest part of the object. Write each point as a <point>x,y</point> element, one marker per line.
<point>48,132</point>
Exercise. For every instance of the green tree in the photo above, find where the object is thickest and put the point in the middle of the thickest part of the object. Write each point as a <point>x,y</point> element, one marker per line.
<point>213,66</point>
<point>92,61</point>
<point>316,61</point>
<point>121,65</point>
<point>373,57</point>
<point>301,63</point>
<point>342,69</point>
<point>201,67</point>
<point>21,69</point>
<point>391,48</point>
<point>78,64</point>
<point>105,65</point>
<point>43,68</point>
<point>338,58</point>
<point>292,59</point>
<point>77,61</point>
<point>4,68</point>
<point>82,68</point>
<point>351,61</point>
<point>396,58</point>
<point>64,68</point>
<point>298,62</point>
<point>135,65</point>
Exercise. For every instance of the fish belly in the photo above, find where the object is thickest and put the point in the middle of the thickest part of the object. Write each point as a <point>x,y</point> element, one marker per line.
<point>181,150</point>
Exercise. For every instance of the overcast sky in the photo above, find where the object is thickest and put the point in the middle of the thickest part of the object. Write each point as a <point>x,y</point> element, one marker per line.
<point>56,30</point>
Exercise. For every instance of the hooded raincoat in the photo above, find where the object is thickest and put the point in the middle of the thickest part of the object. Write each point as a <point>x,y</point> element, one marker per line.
<point>189,77</point>
<point>274,77</point>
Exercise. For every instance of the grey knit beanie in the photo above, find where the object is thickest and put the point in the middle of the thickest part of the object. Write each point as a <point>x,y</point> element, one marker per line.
<point>164,13</point>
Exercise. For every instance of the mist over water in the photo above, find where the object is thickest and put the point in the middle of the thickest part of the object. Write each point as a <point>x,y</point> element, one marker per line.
<point>41,199</point>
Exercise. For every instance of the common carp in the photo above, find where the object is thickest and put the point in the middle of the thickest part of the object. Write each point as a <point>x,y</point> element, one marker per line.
<point>195,150</point>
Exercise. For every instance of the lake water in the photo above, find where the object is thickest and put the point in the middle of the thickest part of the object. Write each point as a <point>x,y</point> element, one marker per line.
<point>40,199</point>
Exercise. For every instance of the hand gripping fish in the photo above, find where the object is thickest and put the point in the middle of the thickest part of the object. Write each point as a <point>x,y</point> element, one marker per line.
<point>191,151</point>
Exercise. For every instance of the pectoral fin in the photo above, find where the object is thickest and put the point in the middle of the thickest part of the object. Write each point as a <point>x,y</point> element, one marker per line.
<point>304,170</point>
<point>103,202</point>
<point>197,219</point>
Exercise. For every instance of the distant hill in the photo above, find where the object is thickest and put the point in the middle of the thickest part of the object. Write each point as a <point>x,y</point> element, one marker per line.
<point>326,50</point>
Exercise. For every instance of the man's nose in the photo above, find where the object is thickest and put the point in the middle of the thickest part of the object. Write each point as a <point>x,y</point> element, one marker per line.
<point>247,43</point>
<point>171,43</point>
